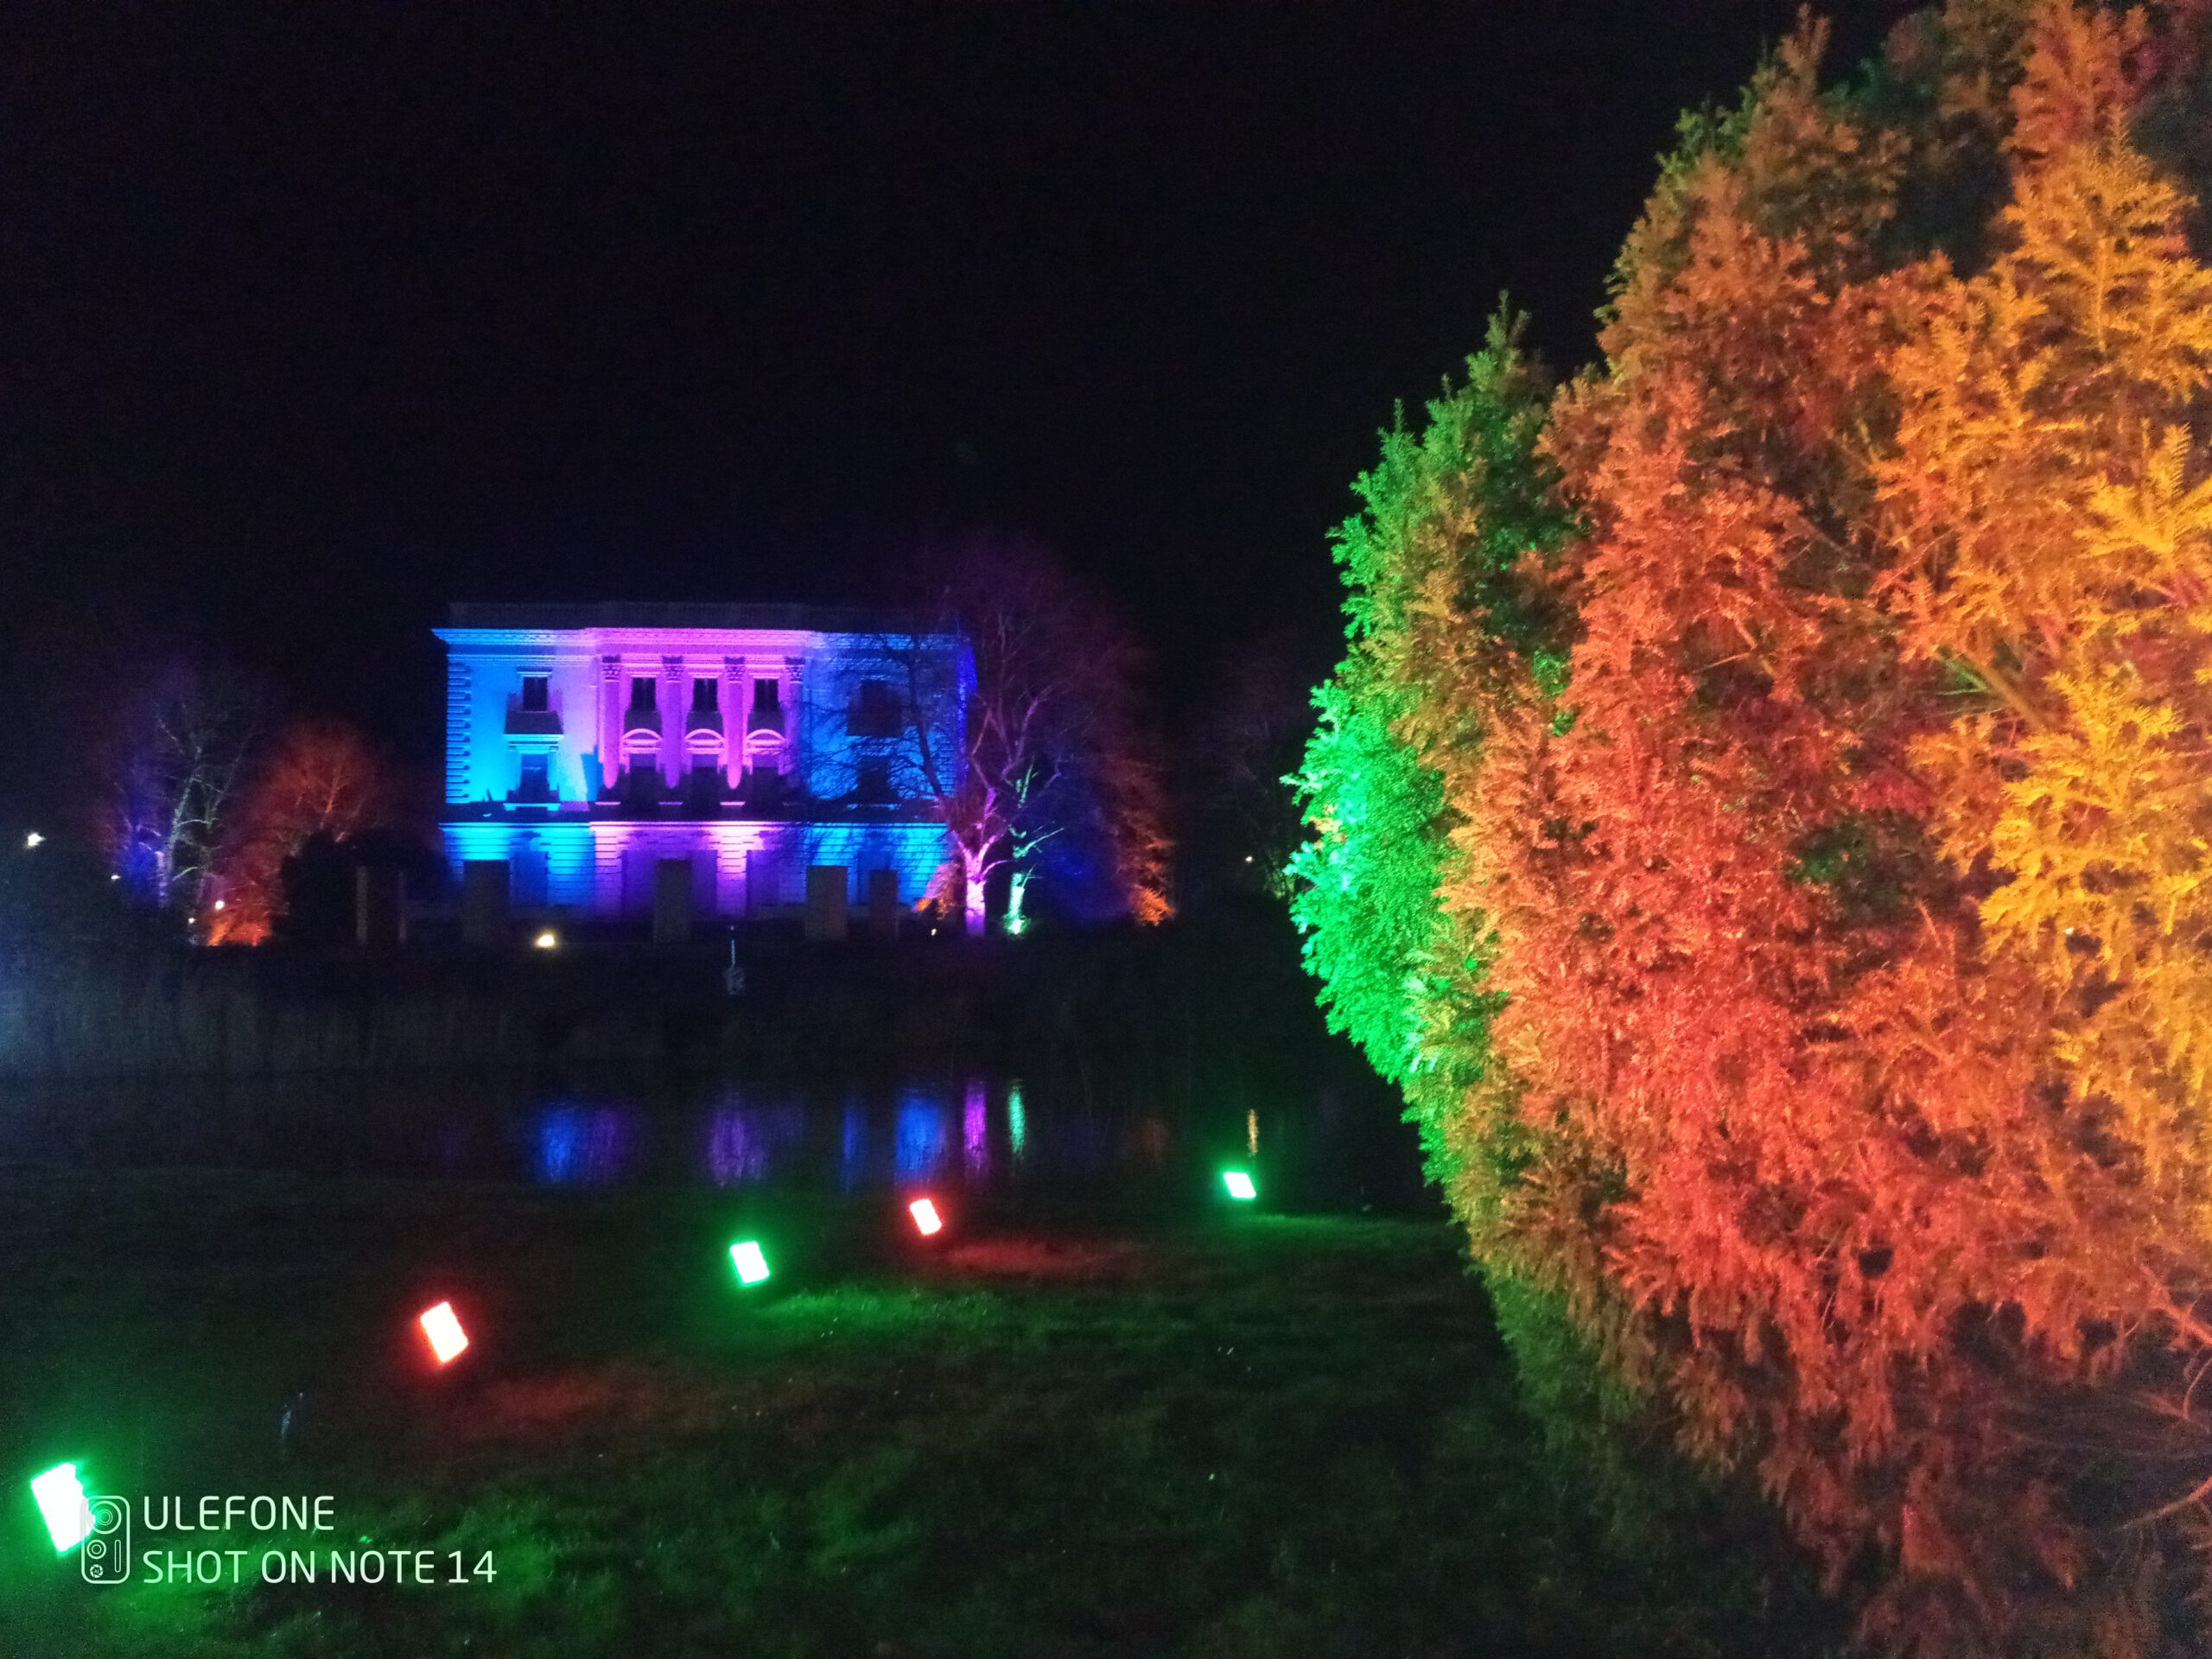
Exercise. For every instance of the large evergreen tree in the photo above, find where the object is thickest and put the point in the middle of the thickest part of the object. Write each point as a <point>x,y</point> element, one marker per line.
<point>1839,1009</point>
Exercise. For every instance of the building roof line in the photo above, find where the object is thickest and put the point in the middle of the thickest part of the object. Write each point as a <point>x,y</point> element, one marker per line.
<point>685,615</point>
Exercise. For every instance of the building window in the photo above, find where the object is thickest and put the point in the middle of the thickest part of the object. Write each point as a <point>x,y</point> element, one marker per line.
<point>644,693</point>
<point>706,696</point>
<point>874,712</point>
<point>766,695</point>
<point>703,789</point>
<point>875,784</point>
<point>641,784</point>
<point>536,698</point>
<point>536,777</point>
<point>764,780</point>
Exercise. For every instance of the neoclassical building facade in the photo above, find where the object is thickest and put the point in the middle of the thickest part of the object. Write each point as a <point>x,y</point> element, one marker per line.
<point>588,746</point>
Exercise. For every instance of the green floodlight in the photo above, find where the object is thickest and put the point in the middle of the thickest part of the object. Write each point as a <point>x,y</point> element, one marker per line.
<point>61,1500</point>
<point>751,1264</point>
<point>1239,1184</point>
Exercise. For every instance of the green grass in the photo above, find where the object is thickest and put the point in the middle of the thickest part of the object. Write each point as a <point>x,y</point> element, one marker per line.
<point>1054,1434</point>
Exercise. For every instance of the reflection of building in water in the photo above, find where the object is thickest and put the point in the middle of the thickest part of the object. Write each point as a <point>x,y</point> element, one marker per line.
<point>1017,1122</point>
<point>852,1158</point>
<point>923,1142</point>
<point>975,1130</point>
<point>746,1144</point>
<point>1252,1132</point>
<point>582,1146</point>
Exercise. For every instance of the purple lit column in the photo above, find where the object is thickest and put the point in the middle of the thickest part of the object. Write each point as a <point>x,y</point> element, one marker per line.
<point>610,723</point>
<point>736,712</point>
<point>674,713</point>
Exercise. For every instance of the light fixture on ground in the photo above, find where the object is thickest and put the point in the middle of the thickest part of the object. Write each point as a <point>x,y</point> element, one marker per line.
<point>546,940</point>
<point>927,1222</point>
<point>61,1501</point>
<point>1239,1184</point>
<point>443,1326</point>
<point>750,1261</point>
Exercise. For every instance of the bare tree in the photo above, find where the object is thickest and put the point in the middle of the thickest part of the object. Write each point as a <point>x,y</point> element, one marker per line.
<point>1247,820</point>
<point>319,778</point>
<point>1022,733</point>
<point>184,739</point>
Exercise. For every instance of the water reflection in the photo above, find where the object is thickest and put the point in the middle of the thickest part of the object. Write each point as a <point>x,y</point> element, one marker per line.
<point>852,1163</point>
<point>922,1141</point>
<point>976,1131</point>
<point>581,1145</point>
<point>746,1144</point>
<point>865,1135</point>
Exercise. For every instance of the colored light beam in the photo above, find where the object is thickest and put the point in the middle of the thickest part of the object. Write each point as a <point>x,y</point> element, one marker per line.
<point>443,1328</point>
<point>1239,1184</point>
<point>61,1500</point>
<point>750,1263</point>
<point>927,1219</point>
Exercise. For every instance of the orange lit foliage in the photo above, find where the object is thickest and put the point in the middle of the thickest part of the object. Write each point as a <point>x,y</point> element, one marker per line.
<point>1853,931</point>
<point>320,778</point>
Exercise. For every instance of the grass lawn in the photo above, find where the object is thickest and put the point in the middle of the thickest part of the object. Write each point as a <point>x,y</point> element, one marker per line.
<point>1049,1433</point>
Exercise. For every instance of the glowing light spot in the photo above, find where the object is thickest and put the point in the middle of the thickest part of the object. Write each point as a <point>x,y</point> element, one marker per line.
<point>927,1219</point>
<point>547,940</point>
<point>1252,1132</point>
<point>1239,1184</point>
<point>61,1500</point>
<point>220,903</point>
<point>751,1264</point>
<point>34,839</point>
<point>1017,1122</point>
<point>442,1327</point>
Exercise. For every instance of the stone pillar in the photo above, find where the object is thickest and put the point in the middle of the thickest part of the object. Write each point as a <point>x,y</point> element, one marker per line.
<point>798,746</point>
<point>736,710</point>
<point>379,906</point>
<point>825,901</point>
<point>674,711</point>
<point>883,904</point>
<point>672,901</point>
<point>485,888</point>
<point>614,696</point>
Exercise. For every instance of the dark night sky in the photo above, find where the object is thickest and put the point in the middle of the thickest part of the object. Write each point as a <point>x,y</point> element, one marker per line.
<point>317,317</point>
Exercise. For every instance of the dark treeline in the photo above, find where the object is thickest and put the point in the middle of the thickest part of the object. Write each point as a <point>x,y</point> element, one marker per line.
<point>1164,1005</point>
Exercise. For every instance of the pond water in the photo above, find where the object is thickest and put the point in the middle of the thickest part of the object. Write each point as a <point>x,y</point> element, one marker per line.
<point>1310,1147</point>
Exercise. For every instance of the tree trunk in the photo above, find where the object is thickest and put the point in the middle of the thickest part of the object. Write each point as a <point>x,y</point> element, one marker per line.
<point>971,889</point>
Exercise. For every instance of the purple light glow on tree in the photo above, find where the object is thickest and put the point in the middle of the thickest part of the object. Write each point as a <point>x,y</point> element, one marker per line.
<point>1041,738</point>
<point>182,744</point>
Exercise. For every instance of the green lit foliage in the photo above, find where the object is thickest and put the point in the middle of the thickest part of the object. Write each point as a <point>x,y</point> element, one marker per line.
<point>1368,905</point>
<point>1808,1018</point>
<point>1440,603</point>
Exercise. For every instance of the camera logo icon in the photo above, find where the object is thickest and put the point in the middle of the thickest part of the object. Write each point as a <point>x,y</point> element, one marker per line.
<point>105,1556</point>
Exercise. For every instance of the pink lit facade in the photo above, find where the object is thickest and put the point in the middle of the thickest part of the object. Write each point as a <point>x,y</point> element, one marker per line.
<point>587,744</point>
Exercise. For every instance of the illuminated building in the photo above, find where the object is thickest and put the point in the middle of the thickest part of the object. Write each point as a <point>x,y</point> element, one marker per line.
<point>589,746</point>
